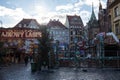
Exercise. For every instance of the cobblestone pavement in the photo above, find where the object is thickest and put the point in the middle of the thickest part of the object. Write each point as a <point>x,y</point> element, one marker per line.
<point>22,72</point>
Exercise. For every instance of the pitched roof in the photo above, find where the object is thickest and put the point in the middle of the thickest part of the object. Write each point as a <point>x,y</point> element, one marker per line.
<point>75,20</point>
<point>24,22</point>
<point>113,35</point>
<point>55,23</point>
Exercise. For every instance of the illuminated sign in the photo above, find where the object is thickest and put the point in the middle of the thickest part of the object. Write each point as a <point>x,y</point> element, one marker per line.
<point>20,33</point>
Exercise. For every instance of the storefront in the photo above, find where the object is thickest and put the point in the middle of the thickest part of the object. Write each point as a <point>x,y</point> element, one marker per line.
<point>19,42</point>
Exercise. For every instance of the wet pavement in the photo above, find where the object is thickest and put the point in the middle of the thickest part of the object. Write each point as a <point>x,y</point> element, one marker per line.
<point>22,72</point>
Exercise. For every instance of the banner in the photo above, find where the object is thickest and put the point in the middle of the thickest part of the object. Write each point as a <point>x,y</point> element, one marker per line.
<point>20,33</point>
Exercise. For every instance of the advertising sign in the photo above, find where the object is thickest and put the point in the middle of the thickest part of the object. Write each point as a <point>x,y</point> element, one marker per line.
<point>13,33</point>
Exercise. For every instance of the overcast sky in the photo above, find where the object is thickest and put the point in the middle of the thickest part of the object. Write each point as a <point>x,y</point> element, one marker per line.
<point>13,11</point>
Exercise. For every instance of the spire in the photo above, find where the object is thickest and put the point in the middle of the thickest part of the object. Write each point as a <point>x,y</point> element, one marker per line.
<point>100,5</point>
<point>93,23</point>
<point>92,7</point>
<point>93,14</point>
<point>108,3</point>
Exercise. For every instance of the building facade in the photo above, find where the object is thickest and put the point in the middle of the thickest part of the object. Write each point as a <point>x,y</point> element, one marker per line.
<point>21,40</point>
<point>103,19</point>
<point>31,24</point>
<point>75,25</point>
<point>59,33</point>
<point>114,12</point>
<point>93,27</point>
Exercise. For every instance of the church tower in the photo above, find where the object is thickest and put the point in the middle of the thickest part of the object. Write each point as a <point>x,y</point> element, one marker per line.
<point>93,27</point>
<point>100,10</point>
<point>103,19</point>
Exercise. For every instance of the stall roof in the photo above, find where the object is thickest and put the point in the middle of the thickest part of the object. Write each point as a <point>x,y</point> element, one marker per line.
<point>113,35</point>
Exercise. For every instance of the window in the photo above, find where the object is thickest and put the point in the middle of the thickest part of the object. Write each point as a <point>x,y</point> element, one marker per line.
<point>75,18</point>
<point>71,39</point>
<point>117,28</point>
<point>116,12</point>
<point>25,25</point>
<point>71,33</point>
<point>80,32</point>
<point>56,32</point>
<point>20,25</point>
<point>74,32</point>
<point>63,33</point>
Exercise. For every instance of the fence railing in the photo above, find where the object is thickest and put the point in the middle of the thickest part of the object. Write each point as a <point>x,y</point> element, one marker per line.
<point>98,62</point>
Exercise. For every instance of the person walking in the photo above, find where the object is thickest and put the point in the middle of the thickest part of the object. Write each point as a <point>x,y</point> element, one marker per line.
<point>26,60</point>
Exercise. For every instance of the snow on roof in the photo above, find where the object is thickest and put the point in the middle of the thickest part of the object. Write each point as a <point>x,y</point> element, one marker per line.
<point>113,35</point>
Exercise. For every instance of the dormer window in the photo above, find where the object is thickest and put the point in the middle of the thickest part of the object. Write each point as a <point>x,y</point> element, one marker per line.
<point>25,25</point>
<point>75,18</point>
<point>20,25</point>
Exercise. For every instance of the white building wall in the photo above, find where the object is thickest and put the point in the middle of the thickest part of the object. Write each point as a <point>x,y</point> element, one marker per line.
<point>67,23</point>
<point>33,25</point>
